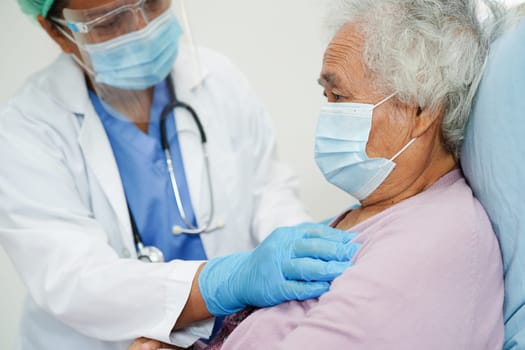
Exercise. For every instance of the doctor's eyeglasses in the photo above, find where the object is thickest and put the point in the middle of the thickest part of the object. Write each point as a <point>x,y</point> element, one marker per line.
<point>113,19</point>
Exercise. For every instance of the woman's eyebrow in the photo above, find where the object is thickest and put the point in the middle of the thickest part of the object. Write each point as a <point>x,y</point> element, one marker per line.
<point>328,79</point>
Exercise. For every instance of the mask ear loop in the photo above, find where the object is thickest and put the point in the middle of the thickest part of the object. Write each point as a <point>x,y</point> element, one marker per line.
<point>78,60</point>
<point>403,149</point>
<point>409,143</point>
<point>384,100</point>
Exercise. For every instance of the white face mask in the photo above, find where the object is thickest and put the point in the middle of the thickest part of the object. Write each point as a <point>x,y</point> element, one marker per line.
<point>342,133</point>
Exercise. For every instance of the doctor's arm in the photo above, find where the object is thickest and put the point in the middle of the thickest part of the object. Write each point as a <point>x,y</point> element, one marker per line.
<point>282,268</point>
<point>62,253</point>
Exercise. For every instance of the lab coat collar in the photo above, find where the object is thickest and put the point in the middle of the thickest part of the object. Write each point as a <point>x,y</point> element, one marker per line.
<point>67,87</point>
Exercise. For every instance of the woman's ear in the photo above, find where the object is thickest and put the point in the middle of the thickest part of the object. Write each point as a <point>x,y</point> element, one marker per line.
<point>50,27</point>
<point>424,119</point>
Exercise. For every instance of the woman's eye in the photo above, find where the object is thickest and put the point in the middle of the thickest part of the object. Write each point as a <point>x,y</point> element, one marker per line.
<point>331,96</point>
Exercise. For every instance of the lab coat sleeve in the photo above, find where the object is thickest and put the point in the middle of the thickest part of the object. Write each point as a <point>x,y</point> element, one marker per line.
<point>62,254</point>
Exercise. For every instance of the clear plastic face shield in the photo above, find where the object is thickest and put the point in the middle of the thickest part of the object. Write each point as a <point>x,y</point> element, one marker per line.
<point>113,19</point>
<point>128,46</point>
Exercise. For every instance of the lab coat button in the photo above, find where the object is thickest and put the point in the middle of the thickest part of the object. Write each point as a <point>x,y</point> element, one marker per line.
<point>125,253</point>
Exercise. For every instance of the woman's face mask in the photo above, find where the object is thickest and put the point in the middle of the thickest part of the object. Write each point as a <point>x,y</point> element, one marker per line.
<point>342,134</point>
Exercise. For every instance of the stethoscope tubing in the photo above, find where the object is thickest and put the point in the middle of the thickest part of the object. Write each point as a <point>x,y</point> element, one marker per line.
<point>153,254</point>
<point>173,105</point>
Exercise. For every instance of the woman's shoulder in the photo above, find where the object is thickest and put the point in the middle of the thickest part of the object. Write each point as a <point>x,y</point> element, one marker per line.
<point>434,254</point>
<point>444,222</point>
<point>448,208</point>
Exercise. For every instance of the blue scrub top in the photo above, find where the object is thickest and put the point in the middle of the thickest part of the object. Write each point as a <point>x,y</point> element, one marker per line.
<point>145,177</point>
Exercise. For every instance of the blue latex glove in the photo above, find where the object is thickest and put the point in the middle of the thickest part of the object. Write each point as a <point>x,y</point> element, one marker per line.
<point>293,263</point>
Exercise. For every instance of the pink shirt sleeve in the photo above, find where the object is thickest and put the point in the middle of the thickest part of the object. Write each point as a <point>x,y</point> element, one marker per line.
<point>389,295</point>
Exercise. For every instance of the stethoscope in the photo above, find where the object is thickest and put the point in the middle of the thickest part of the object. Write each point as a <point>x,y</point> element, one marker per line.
<point>154,254</point>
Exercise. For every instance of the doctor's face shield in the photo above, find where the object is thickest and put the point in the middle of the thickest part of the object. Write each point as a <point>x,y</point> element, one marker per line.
<point>113,19</point>
<point>129,46</point>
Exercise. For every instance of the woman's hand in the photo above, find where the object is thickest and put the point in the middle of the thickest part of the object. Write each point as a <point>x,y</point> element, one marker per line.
<point>150,344</point>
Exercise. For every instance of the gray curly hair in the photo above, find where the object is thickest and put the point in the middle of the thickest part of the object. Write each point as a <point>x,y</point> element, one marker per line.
<point>430,52</point>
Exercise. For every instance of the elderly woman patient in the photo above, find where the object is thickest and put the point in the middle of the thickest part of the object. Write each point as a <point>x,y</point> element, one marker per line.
<point>399,77</point>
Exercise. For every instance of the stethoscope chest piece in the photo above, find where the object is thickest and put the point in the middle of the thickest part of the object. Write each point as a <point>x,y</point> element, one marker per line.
<point>150,254</point>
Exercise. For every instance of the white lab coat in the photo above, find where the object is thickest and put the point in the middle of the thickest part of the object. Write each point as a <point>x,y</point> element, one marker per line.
<point>63,216</point>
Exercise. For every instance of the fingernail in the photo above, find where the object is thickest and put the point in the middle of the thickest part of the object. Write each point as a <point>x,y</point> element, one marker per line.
<point>320,289</point>
<point>337,268</point>
<point>352,249</point>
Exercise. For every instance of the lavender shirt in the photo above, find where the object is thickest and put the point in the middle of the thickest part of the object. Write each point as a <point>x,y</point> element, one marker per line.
<point>428,276</point>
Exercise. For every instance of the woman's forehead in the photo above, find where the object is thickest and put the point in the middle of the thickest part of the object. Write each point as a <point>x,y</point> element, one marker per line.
<point>343,61</point>
<point>346,48</point>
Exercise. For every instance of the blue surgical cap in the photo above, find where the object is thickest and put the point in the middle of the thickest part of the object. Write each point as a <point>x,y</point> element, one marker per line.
<point>34,8</point>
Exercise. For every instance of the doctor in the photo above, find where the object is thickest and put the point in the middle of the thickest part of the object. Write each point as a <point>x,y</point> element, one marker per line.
<point>105,168</point>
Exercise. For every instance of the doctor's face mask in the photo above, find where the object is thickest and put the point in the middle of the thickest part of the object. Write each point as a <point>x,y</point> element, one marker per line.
<point>130,45</point>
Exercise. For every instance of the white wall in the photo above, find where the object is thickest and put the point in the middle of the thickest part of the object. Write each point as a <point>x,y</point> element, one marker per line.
<point>276,43</point>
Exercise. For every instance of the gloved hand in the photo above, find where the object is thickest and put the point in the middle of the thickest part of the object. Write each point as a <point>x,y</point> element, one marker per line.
<point>293,263</point>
